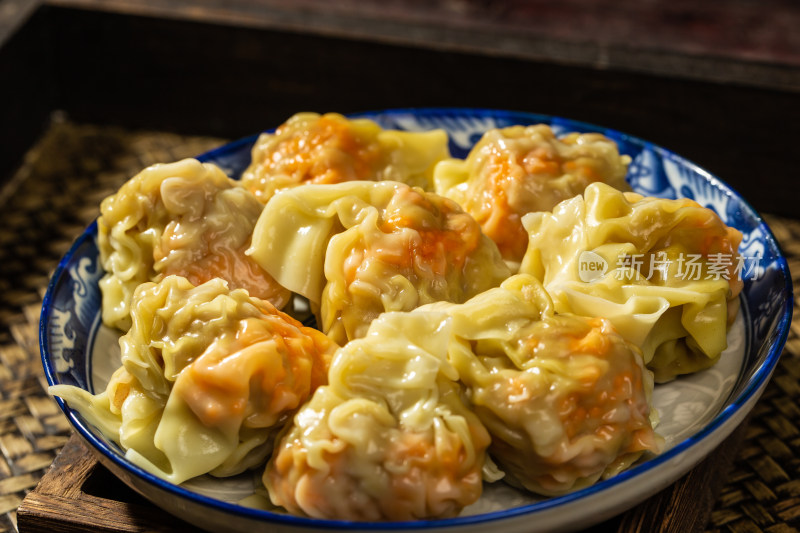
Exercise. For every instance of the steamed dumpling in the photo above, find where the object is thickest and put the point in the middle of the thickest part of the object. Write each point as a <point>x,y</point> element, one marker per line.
<point>389,437</point>
<point>566,399</point>
<point>358,249</point>
<point>208,376</point>
<point>185,218</point>
<point>330,148</point>
<point>519,169</point>
<point>664,272</point>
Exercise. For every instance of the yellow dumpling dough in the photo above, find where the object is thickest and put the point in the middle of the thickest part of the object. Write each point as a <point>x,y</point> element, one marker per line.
<point>666,272</point>
<point>324,149</point>
<point>521,169</point>
<point>359,249</point>
<point>389,438</point>
<point>208,376</point>
<point>566,399</point>
<point>185,218</point>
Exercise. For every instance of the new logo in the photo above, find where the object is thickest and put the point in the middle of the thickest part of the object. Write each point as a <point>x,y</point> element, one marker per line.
<point>591,266</point>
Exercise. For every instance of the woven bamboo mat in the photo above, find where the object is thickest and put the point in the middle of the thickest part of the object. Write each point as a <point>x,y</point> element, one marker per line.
<point>56,194</point>
<point>49,202</point>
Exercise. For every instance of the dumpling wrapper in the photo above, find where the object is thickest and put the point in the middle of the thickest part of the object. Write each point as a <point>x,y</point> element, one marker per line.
<point>664,272</point>
<point>325,149</point>
<point>521,169</point>
<point>185,218</point>
<point>359,249</point>
<point>389,437</point>
<point>208,377</point>
<point>566,399</point>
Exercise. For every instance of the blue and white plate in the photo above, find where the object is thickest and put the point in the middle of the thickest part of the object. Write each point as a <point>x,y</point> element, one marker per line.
<point>697,412</point>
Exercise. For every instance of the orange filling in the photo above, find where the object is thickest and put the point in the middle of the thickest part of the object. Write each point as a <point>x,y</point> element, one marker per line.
<point>299,155</point>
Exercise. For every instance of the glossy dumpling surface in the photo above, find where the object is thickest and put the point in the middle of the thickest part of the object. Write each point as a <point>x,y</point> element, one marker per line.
<point>358,249</point>
<point>185,218</point>
<point>389,437</point>
<point>208,376</point>
<point>330,148</point>
<point>520,169</point>
<point>566,399</point>
<point>666,273</point>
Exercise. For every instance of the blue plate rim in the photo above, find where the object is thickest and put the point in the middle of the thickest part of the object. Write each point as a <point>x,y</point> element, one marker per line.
<point>755,384</point>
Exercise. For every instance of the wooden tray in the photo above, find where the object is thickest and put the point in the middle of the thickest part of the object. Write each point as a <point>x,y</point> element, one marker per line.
<point>78,494</point>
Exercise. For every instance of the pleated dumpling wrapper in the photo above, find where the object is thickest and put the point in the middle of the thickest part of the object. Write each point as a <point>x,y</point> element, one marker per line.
<point>185,218</point>
<point>358,249</point>
<point>330,148</point>
<point>566,399</point>
<point>389,437</point>
<point>208,377</point>
<point>666,273</point>
<point>520,169</point>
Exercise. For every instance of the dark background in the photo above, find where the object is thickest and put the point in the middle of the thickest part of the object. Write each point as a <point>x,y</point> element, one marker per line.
<point>718,84</point>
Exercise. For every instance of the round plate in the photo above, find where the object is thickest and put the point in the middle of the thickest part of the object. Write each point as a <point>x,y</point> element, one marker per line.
<point>697,412</point>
